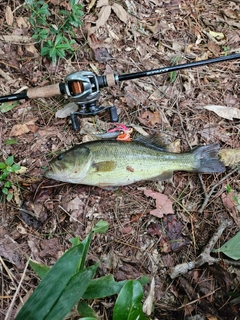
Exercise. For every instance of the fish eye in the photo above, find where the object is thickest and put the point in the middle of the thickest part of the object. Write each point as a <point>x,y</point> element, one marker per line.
<point>60,156</point>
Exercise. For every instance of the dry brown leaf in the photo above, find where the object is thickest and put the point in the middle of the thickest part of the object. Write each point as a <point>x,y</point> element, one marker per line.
<point>230,13</point>
<point>102,3</point>
<point>75,207</point>
<point>120,12</point>
<point>21,22</point>
<point>152,118</point>
<point>163,203</point>
<point>230,157</point>
<point>16,39</point>
<point>103,16</point>
<point>231,206</point>
<point>224,112</point>
<point>9,16</point>
<point>20,129</point>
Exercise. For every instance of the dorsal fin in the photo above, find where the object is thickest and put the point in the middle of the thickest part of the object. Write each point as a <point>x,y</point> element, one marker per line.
<point>155,141</point>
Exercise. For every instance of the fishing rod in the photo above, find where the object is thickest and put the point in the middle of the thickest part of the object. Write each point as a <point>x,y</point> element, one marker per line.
<point>83,87</point>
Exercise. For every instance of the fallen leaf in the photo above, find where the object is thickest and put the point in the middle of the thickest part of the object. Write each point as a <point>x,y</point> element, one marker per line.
<point>66,110</point>
<point>9,250</point>
<point>20,129</point>
<point>103,16</point>
<point>224,112</point>
<point>76,208</point>
<point>91,5</point>
<point>152,118</point>
<point>9,16</point>
<point>217,35</point>
<point>102,3</point>
<point>102,55</point>
<point>163,203</point>
<point>230,157</point>
<point>21,22</point>
<point>231,205</point>
<point>148,304</point>
<point>233,14</point>
<point>120,12</point>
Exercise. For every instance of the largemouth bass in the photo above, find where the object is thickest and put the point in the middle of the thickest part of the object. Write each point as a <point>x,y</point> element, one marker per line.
<point>111,163</point>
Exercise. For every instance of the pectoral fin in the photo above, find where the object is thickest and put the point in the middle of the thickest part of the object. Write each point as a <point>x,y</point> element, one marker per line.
<point>104,166</point>
<point>163,176</point>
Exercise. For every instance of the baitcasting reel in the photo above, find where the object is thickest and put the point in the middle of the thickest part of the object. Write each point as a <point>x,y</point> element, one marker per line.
<point>82,87</point>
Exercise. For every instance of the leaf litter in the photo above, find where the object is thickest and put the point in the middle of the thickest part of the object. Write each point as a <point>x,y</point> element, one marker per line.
<point>127,37</point>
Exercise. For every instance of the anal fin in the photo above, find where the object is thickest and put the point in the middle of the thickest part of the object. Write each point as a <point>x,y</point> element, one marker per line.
<point>163,176</point>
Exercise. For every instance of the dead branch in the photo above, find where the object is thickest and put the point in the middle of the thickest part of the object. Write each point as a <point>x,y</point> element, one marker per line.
<point>204,257</point>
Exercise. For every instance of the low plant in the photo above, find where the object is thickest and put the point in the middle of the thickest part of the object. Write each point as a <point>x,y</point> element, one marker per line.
<point>56,38</point>
<point>70,282</point>
<point>6,168</point>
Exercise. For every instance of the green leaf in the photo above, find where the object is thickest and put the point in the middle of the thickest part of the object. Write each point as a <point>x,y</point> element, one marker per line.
<point>72,293</point>
<point>7,184</point>
<point>231,248</point>
<point>40,269</point>
<point>9,161</point>
<point>5,191</point>
<point>15,167</point>
<point>52,285</point>
<point>7,106</point>
<point>128,305</point>
<point>86,311</point>
<point>2,165</point>
<point>103,287</point>
<point>9,196</point>
<point>101,227</point>
<point>86,244</point>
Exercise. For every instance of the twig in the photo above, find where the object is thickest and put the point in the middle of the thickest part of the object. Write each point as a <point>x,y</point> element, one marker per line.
<point>5,75</point>
<point>204,257</point>
<point>8,314</point>
<point>208,195</point>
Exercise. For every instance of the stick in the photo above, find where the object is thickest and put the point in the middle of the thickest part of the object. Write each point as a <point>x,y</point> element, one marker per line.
<point>204,257</point>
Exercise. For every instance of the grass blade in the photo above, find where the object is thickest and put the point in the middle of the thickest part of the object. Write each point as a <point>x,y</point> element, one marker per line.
<point>71,293</point>
<point>52,285</point>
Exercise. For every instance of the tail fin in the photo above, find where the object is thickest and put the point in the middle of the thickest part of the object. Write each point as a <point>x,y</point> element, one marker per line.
<point>207,159</point>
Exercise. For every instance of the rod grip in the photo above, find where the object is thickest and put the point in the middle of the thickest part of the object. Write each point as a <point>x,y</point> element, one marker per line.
<point>44,92</point>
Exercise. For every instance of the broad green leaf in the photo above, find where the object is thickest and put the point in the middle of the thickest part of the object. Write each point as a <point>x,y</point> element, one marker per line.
<point>9,196</point>
<point>5,191</point>
<point>9,161</point>
<point>2,165</point>
<point>52,285</point>
<point>231,248</point>
<point>71,293</point>
<point>128,305</point>
<point>7,184</point>
<point>144,280</point>
<point>101,227</point>
<point>103,287</point>
<point>40,269</point>
<point>16,167</point>
<point>75,241</point>
<point>86,311</point>
<point>7,106</point>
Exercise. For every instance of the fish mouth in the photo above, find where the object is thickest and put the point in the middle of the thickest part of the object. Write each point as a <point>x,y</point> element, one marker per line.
<point>53,169</point>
